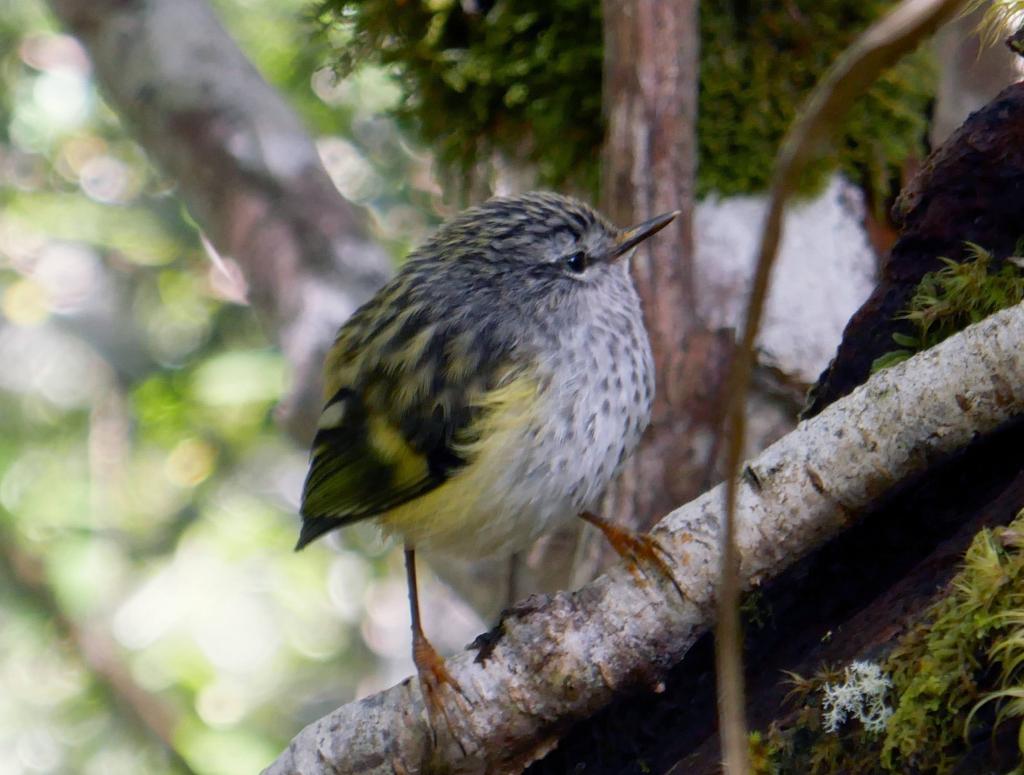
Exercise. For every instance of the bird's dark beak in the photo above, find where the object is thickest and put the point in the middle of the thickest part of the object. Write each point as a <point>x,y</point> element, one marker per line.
<point>630,238</point>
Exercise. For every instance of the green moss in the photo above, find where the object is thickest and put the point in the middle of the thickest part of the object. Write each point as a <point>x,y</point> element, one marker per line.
<point>953,675</point>
<point>763,754</point>
<point>760,60</point>
<point>756,611</point>
<point>522,79</point>
<point>944,668</point>
<point>953,298</point>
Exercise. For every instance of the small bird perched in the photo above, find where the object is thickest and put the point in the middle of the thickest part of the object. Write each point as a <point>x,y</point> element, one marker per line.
<point>488,392</point>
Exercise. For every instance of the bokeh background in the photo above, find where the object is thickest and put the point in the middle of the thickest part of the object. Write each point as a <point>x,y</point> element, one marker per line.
<point>153,617</point>
<point>147,499</point>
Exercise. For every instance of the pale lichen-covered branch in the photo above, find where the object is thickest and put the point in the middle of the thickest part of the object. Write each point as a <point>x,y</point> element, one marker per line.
<point>561,658</point>
<point>245,167</point>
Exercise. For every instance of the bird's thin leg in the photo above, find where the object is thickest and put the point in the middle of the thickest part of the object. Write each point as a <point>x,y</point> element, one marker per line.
<point>515,563</point>
<point>634,548</point>
<point>430,665</point>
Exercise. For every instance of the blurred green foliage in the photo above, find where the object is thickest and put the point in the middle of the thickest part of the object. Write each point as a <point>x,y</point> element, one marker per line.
<point>141,472</point>
<point>522,79</point>
<point>760,60</point>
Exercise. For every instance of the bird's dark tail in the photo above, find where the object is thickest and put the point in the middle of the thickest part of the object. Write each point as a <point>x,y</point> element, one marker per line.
<point>314,527</point>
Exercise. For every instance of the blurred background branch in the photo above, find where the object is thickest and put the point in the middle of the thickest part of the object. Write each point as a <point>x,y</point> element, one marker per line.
<point>246,168</point>
<point>26,577</point>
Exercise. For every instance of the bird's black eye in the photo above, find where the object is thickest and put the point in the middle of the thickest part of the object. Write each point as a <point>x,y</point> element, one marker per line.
<point>577,261</point>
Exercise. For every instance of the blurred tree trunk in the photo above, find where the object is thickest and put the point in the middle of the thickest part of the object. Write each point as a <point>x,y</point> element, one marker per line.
<point>652,60</point>
<point>651,79</point>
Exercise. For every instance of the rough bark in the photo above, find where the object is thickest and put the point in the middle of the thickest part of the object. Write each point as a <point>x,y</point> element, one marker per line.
<point>557,659</point>
<point>245,167</point>
<point>866,591</point>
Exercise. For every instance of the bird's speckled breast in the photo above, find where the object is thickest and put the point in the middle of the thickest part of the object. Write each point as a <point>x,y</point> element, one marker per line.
<point>593,403</point>
<point>601,397</point>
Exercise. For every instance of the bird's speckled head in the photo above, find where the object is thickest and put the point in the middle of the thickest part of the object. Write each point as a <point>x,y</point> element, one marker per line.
<point>513,276</point>
<point>541,243</point>
<point>528,231</point>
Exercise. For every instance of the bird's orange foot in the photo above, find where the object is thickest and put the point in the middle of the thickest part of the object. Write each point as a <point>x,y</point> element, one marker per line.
<point>635,548</point>
<point>433,674</point>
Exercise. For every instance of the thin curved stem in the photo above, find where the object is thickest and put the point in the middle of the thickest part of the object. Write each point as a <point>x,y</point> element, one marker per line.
<point>877,49</point>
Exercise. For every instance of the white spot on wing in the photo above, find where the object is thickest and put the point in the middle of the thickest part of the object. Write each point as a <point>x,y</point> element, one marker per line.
<point>332,416</point>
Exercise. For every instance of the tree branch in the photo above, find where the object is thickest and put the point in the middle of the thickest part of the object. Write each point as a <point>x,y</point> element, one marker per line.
<point>555,660</point>
<point>246,168</point>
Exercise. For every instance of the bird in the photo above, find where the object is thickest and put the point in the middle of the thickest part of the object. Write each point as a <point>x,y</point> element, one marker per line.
<point>488,393</point>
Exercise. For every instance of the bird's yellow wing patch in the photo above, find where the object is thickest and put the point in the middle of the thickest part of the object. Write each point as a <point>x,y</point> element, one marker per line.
<point>364,465</point>
<point>443,515</point>
<point>407,391</point>
<point>361,465</point>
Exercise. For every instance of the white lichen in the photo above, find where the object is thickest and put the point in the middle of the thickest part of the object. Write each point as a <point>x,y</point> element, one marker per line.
<point>861,696</point>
